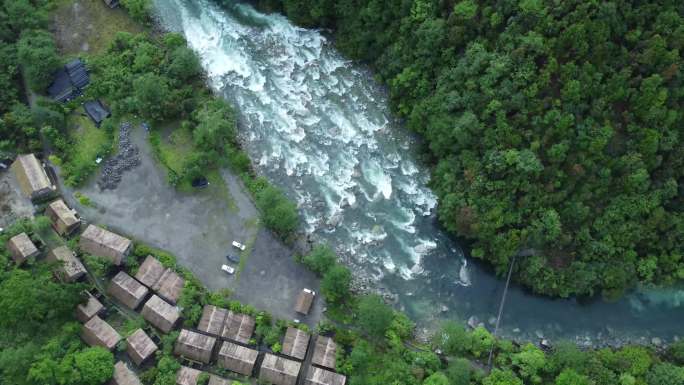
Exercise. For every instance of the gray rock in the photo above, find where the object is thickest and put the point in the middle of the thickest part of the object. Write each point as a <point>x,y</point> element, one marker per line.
<point>472,322</point>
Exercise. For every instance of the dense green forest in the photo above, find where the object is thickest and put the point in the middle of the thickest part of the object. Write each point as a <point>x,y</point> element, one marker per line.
<point>554,127</point>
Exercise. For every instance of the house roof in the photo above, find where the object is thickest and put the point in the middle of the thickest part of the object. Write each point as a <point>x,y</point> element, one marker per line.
<point>97,332</point>
<point>187,376</point>
<point>69,81</point>
<point>169,286</point>
<point>77,73</point>
<point>212,320</point>
<point>295,343</point>
<point>195,346</point>
<point>123,375</point>
<point>86,311</point>
<point>21,247</point>
<point>96,111</point>
<point>140,346</point>
<point>216,380</point>
<point>279,370</point>
<point>304,301</point>
<point>160,313</point>
<point>318,376</point>
<point>106,238</point>
<point>237,358</point>
<point>127,290</point>
<point>150,271</point>
<point>31,175</point>
<point>71,267</point>
<point>325,352</point>
<point>63,212</point>
<point>238,327</point>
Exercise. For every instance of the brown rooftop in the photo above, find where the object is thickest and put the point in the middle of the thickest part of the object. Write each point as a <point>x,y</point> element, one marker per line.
<point>212,320</point>
<point>169,286</point>
<point>318,376</point>
<point>216,380</point>
<point>304,301</point>
<point>86,311</point>
<point>150,271</point>
<point>194,346</point>
<point>123,375</point>
<point>237,358</point>
<point>104,243</point>
<point>64,219</point>
<point>140,347</point>
<point>71,268</point>
<point>127,290</point>
<point>22,248</point>
<point>325,352</point>
<point>160,313</point>
<point>296,343</point>
<point>187,376</point>
<point>278,370</point>
<point>238,327</point>
<point>32,178</point>
<point>97,332</point>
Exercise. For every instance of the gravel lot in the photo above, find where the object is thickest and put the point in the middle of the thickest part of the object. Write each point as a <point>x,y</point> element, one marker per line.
<point>13,204</point>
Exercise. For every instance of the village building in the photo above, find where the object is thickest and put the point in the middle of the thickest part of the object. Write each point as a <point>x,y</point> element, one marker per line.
<point>212,320</point>
<point>123,375</point>
<point>169,286</point>
<point>104,243</point>
<point>238,327</point>
<point>22,248</point>
<point>150,271</point>
<point>140,347</point>
<point>194,346</point>
<point>278,370</point>
<point>325,352</point>
<point>71,268</point>
<point>127,290</point>
<point>69,81</point>
<point>89,309</point>
<point>160,314</point>
<point>97,332</point>
<point>112,3</point>
<point>216,380</point>
<point>304,301</point>
<point>96,111</point>
<point>236,358</point>
<point>187,376</point>
<point>318,376</point>
<point>295,343</point>
<point>32,178</point>
<point>64,220</point>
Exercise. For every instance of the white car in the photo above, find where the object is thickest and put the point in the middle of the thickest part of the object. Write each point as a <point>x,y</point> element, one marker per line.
<point>228,269</point>
<point>239,245</point>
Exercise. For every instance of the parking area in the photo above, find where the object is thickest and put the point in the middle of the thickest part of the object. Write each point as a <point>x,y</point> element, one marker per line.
<point>13,204</point>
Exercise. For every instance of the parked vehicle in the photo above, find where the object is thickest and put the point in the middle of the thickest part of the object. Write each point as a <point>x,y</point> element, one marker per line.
<point>200,182</point>
<point>233,258</point>
<point>239,245</point>
<point>227,269</point>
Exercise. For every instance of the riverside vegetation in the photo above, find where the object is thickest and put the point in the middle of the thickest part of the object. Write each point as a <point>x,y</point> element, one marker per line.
<point>39,341</point>
<point>554,128</point>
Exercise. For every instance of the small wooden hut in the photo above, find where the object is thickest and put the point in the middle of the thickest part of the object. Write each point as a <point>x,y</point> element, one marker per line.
<point>150,271</point>
<point>304,301</point>
<point>187,376</point>
<point>123,375</point>
<point>238,327</point>
<point>318,376</point>
<point>64,220</point>
<point>127,290</point>
<point>195,346</point>
<point>325,352</point>
<point>140,347</point>
<point>71,269</point>
<point>212,320</point>
<point>89,309</point>
<point>278,370</point>
<point>32,178</point>
<point>296,343</point>
<point>160,314</point>
<point>169,286</point>
<point>104,243</point>
<point>216,380</point>
<point>236,358</point>
<point>97,332</point>
<point>22,248</point>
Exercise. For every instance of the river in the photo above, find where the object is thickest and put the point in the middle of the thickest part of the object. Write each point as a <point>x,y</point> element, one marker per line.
<point>319,126</point>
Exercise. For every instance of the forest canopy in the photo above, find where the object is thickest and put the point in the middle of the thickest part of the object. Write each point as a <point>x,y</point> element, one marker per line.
<point>554,127</point>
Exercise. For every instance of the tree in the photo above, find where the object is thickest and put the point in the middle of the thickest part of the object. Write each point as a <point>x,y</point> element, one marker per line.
<point>151,94</point>
<point>460,372</point>
<point>529,361</point>
<point>374,316</point>
<point>501,377</point>
<point>278,213</point>
<point>93,365</point>
<point>335,284</point>
<point>321,259</point>
<point>452,338</point>
<point>665,374</point>
<point>571,377</point>
<point>437,378</point>
<point>138,9</point>
<point>184,64</point>
<point>37,53</point>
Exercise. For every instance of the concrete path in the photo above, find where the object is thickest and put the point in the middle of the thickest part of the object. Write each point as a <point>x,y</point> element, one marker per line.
<point>198,228</point>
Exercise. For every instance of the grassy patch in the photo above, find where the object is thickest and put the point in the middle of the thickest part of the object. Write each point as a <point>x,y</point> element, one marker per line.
<point>249,246</point>
<point>88,143</point>
<point>88,26</point>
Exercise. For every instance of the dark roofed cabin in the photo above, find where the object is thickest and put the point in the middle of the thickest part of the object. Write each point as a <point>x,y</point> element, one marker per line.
<point>112,3</point>
<point>69,81</point>
<point>96,111</point>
